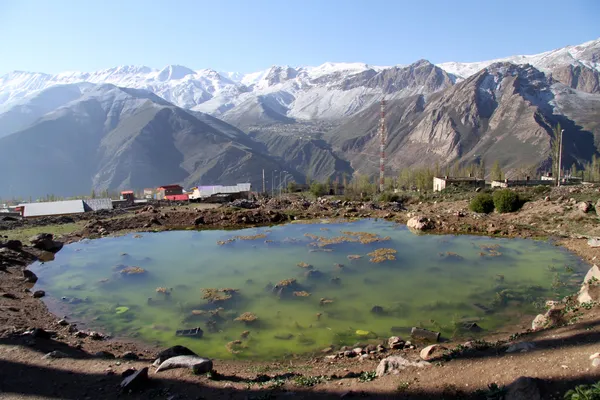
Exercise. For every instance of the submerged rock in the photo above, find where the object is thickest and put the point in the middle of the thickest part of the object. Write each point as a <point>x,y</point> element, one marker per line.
<point>45,241</point>
<point>424,334</point>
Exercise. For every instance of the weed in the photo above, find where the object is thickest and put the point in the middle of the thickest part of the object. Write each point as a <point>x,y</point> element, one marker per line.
<point>367,376</point>
<point>493,392</point>
<point>310,380</point>
<point>403,386</point>
<point>584,392</point>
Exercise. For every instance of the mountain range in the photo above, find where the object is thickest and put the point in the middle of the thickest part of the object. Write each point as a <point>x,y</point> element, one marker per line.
<point>133,127</point>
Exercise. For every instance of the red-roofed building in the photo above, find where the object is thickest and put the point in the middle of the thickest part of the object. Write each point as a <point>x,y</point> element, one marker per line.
<point>128,195</point>
<point>177,197</point>
<point>163,192</point>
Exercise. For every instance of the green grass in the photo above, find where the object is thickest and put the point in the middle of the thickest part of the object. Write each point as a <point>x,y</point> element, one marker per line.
<point>23,234</point>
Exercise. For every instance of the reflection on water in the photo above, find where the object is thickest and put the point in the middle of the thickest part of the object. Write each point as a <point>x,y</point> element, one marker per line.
<point>298,288</point>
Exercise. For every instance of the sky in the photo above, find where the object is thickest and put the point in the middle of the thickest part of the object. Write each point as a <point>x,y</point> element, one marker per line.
<point>250,35</point>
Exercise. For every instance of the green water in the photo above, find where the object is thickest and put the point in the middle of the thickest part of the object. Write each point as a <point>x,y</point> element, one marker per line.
<point>436,282</point>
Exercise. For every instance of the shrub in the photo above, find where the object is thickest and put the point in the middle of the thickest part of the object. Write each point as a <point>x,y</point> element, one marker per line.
<point>388,197</point>
<point>506,201</point>
<point>319,189</point>
<point>584,392</point>
<point>482,203</point>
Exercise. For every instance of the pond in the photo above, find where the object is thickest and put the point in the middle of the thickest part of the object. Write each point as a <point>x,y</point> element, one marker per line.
<point>276,292</point>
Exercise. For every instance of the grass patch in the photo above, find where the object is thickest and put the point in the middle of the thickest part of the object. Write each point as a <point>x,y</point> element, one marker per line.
<point>23,234</point>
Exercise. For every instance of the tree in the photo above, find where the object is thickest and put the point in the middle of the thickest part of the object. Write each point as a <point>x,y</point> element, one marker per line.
<point>93,194</point>
<point>496,172</point>
<point>481,170</point>
<point>291,187</point>
<point>555,150</point>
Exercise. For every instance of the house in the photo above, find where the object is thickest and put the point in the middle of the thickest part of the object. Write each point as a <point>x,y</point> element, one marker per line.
<point>52,208</point>
<point>442,183</point>
<point>148,193</point>
<point>128,195</point>
<point>66,207</point>
<point>177,197</point>
<point>168,190</point>
<point>241,190</point>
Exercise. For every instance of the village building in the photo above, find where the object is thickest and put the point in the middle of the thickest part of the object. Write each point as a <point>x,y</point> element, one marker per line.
<point>219,193</point>
<point>170,192</point>
<point>442,183</point>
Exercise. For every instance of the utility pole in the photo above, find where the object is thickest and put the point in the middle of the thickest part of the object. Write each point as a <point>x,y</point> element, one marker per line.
<point>560,144</point>
<point>264,187</point>
<point>382,134</point>
<point>273,182</point>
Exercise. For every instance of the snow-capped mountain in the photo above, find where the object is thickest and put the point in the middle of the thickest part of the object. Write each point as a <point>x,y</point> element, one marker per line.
<point>586,54</point>
<point>328,92</point>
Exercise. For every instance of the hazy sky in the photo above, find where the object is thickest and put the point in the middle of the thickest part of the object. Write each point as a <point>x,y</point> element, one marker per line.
<point>249,35</point>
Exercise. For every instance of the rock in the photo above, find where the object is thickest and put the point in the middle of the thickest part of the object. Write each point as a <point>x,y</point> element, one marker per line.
<point>597,207</point>
<point>29,276</point>
<point>173,352</point>
<point>136,381</point>
<point>130,355</point>
<point>521,347</point>
<point>595,355</point>
<point>8,296</point>
<point>478,189</point>
<point>96,336</point>
<point>197,364</point>
<point>358,350</point>
<point>128,372</point>
<point>524,388</point>
<point>313,274</point>
<point>349,353</point>
<point>395,364</point>
<point>424,334</point>
<point>377,310</point>
<point>55,354</point>
<point>81,334</point>
<point>104,354</point>
<point>199,221</point>
<point>327,350</point>
<point>331,357</point>
<point>539,322</point>
<point>45,241</point>
<point>584,206</point>
<point>39,294</point>
<point>432,351</point>
<point>590,289</point>
<point>472,327</point>
<point>594,242</point>
<point>419,223</point>
<point>39,333</point>
<point>596,362</point>
<point>13,245</point>
<point>395,342</point>
<point>553,317</point>
<point>63,322</point>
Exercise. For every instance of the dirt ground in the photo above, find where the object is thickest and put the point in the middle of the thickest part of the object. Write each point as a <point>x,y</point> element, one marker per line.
<point>560,356</point>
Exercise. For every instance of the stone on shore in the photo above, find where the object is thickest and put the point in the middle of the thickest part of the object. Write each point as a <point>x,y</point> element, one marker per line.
<point>172,352</point>
<point>197,364</point>
<point>419,223</point>
<point>590,289</point>
<point>395,364</point>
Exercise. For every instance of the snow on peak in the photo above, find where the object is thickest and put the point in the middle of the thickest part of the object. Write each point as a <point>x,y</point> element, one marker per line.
<point>330,68</point>
<point>173,72</point>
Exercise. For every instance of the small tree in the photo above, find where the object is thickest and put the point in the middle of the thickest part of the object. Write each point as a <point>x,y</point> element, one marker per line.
<point>496,172</point>
<point>318,189</point>
<point>482,203</point>
<point>291,187</point>
<point>506,201</point>
<point>555,150</point>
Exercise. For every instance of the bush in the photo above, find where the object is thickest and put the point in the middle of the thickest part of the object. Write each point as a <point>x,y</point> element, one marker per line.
<point>388,197</point>
<point>482,203</point>
<point>319,189</point>
<point>506,201</point>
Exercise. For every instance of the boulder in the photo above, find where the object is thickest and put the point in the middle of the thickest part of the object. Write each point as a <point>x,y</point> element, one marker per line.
<point>597,207</point>
<point>395,364</point>
<point>553,317</point>
<point>395,342</point>
<point>46,242</point>
<point>584,206</point>
<point>524,388</point>
<point>173,352</point>
<point>594,242</point>
<point>12,244</point>
<point>432,351</point>
<point>197,364</point>
<point>130,355</point>
<point>419,223</point>
<point>590,289</point>
<point>136,381</point>
<point>39,294</point>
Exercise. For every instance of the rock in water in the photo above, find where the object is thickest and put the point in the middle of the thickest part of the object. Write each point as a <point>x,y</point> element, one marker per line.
<point>394,364</point>
<point>523,388</point>
<point>38,294</point>
<point>135,381</point>
<point>424,334</point>
<point>419,223</point>
<point>197,364</point>
<point>45,241</point>
<point>173,352</point>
